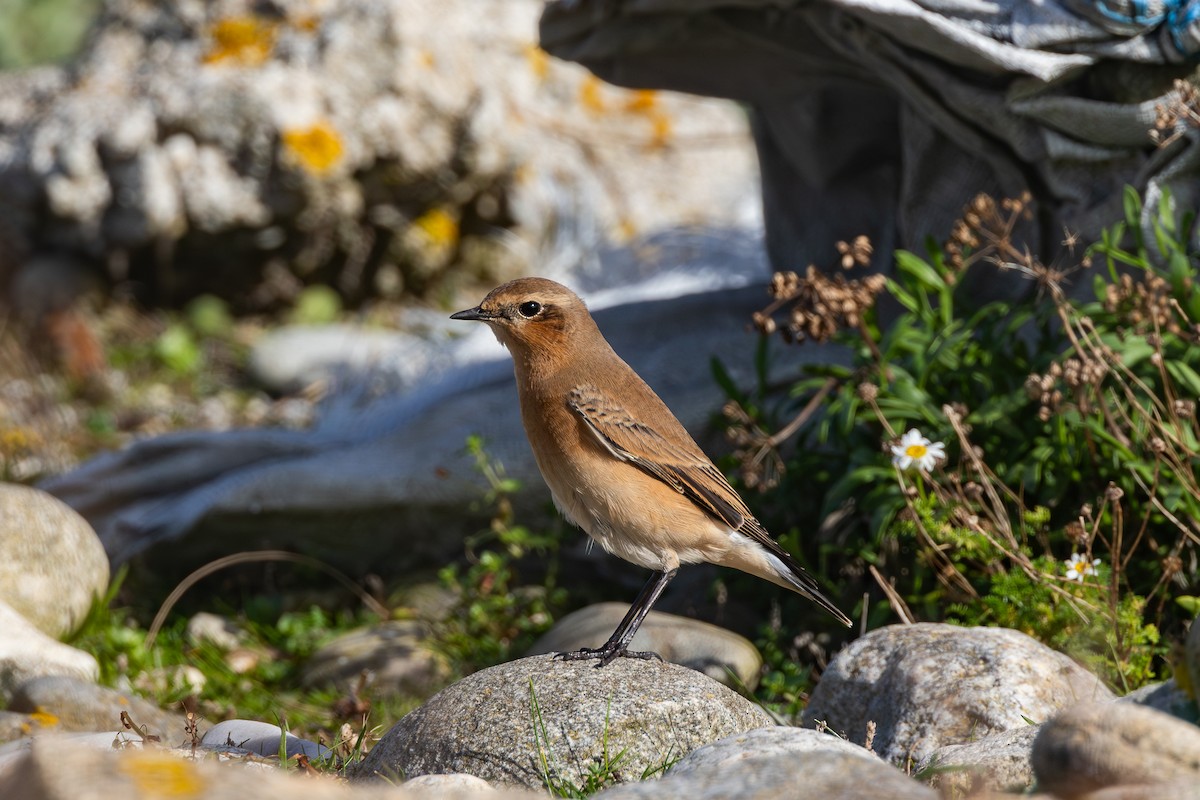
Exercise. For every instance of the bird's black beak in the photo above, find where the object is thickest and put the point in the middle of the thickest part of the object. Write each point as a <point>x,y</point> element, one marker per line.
<point>471,313</point>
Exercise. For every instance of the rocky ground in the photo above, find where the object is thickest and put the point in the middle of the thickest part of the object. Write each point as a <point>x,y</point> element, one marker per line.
<point>922,710</point>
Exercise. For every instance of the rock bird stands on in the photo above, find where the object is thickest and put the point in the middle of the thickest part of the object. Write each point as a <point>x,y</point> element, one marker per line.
<point>618,462</point>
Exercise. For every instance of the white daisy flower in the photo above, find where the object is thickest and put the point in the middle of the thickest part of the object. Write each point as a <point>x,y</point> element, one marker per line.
<point>915,449</point>
<point>1079,568</point>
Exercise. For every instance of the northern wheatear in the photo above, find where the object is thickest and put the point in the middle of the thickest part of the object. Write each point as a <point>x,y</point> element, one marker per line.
<point>618,462</point>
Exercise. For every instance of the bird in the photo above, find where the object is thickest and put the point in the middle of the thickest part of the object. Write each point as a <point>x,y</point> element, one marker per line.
<point>618,463</point>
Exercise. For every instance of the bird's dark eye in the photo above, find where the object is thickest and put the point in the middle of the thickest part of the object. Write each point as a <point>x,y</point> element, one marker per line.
<point>529,309</point>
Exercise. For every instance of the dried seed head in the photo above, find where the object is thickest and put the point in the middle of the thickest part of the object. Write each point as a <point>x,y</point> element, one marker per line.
<point>1114,493</point>
<point>867,392</point>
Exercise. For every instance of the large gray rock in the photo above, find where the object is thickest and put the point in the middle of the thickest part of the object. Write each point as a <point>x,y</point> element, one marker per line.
<point>1000,762</point>
<point>929,685</point>
<point>1094,746</point>
<point>52,566</point>
<point>719,653</point>
<point>821,774</point>
<point>526,720</point>
<point>26,653</point>
<point>81,706</point>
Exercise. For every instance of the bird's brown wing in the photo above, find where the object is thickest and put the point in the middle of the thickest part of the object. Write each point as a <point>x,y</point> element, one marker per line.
<point>677,461</point>
<point>680,465</point>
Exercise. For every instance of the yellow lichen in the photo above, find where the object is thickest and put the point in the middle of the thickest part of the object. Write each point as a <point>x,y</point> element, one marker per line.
<point>18,440</point>
<point>589,94</point>
<point>660,132</point>
<point>247,41</point>
<point>642,101</point>
<point>160,775</point>
<point>539,61</point>
<point>43,719</point>
<point>439,226</point>
<point>317,148</point>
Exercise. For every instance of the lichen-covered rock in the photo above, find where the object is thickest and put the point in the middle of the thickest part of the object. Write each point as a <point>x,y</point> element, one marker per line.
<point>244,150</point>
<point>537,718</point>
<point>52,769</point>
<point>76,705</point>
<point>929,685</point>
<point>52,565</point>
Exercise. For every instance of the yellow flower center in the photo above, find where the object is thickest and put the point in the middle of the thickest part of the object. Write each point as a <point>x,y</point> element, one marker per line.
<point>916,451</point>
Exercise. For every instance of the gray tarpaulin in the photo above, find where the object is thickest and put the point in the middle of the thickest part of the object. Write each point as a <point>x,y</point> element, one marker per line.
<point>885,117</point>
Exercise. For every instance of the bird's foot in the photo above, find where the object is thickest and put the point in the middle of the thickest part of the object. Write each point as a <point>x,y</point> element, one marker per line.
<point>606,654</point>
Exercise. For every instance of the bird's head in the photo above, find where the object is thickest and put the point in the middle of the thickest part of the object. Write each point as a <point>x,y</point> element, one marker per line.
<point>535,318</point>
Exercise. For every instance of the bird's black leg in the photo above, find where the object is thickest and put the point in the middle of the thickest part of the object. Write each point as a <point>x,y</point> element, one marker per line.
<point>617,645</point>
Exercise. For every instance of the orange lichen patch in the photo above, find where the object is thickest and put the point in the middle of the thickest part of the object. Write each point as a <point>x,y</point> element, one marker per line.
<point>161,775</point>
<point>660,132</point>
<point>317,148</point>
<point>426,59</point>
<point>642,101</point>
<point>539,61</point>
<point>248,41</point>
<point>589,94</point>
<point>439,226</point>
<point>43,719</point>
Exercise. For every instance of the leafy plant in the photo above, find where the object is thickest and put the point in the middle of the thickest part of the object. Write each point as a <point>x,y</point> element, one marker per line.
<point>1071,425</point>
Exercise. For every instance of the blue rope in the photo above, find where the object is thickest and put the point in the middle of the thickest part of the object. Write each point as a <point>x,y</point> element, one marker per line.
<point>1181,18</point>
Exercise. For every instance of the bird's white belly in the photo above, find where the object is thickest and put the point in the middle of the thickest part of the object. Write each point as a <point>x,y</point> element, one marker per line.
<point>646,534</point>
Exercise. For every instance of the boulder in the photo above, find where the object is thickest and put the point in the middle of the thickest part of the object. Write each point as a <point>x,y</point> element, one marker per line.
<point>538,720</point>
<point>1099,745</point>
<point>929,685</point>
<point>52,565</point>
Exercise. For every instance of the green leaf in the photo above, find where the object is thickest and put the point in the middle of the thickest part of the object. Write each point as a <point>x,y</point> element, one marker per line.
<point>1184,374</point>
<point>177,349</point>
<point>916,267</point>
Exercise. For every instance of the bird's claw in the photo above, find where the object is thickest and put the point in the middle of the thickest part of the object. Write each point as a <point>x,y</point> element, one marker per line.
<point>605,655</point>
